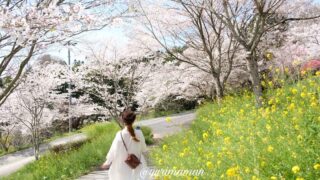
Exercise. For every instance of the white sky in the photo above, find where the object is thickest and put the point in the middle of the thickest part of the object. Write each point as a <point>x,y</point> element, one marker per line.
<point>93,39</point>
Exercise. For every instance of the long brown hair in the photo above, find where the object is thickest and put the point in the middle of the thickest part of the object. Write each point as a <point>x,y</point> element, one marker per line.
<point>128,118</point>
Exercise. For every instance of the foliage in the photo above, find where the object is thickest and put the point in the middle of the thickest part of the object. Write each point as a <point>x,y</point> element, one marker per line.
<point>175,104</point>
<point>97,95</point>
<point>147,133</point>
<point>235,140</point>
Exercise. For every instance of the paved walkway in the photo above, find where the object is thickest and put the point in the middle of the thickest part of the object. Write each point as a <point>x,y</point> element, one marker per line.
<point>160,129</point>
<point>12,162</point>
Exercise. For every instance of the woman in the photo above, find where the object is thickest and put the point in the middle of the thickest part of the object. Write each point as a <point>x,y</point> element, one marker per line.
<point>135,142</point>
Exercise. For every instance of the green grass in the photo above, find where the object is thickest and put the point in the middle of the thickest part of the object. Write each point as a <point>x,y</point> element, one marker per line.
<point>73,163</point>
<point>236,140</point>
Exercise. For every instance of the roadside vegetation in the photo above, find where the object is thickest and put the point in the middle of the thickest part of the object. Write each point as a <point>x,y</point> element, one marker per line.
<point>72,160</point>
<point>75,162</point>
<point>236,140</point>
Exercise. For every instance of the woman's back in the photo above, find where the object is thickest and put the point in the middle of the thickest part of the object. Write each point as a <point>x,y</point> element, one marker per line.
<point>117,155</point>
<point>133,146</point>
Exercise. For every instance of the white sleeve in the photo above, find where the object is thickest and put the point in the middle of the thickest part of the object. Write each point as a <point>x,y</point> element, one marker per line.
<point>111,154</point>
<point>142,142</point>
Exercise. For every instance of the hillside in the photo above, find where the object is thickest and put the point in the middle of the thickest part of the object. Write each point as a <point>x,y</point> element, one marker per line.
<point>238,141</point>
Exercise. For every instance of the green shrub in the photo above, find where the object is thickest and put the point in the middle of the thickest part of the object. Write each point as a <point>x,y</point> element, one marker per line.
<point>147,132</point>
<point>173,104</point>
<point>68,146</point>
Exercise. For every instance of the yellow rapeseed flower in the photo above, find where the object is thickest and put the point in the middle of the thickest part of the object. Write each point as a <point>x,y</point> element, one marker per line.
<point>164,147</point>
<point>247,170</point>
<point>231,172</point>
<point>181,154</point>
<point>226,140</point>
<point>303,95</point>
<point>299,178</point>
<point>268,127</point>
<point>295,169</point>
<point>273,178</point>
<point>205,135</point>
<point>269,56</point>
<point>291,106</point>
<point>270,148</point>
<point>318,73</point>
<point>209,165</point>
<point>316,166</point>
<point>294,91</point>
<point>168,119</point>
<point>219,132</point>
<point>286,70</point>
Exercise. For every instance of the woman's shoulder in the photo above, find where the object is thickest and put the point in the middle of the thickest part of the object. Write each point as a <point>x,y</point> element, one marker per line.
<point>118,134</point>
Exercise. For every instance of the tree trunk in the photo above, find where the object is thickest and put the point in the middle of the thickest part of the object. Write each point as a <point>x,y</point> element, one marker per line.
<point>4,147</point>
<point>255,78</point>
<point>35,145</point>
<point>212,92</point>
<point>36,152</point>
<point>219,88</point>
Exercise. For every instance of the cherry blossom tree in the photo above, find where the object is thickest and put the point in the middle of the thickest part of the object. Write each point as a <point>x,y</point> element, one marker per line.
<point>34,102</point>
<point>193,35</point>
<point>111,78</point>
<point>173,79</point>
<point>300,44</point>
<point>28,27</point>
<point>249,21</point>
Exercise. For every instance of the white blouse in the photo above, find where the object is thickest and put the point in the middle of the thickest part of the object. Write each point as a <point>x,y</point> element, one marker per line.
<point>117,155</point>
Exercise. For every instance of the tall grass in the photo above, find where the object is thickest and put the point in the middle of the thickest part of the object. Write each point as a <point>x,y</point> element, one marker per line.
<point>73,163</point>
<point>236,140</point>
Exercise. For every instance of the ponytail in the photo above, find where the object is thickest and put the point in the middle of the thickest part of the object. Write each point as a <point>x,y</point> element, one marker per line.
<point>131,131</point>
<point>128,118</point>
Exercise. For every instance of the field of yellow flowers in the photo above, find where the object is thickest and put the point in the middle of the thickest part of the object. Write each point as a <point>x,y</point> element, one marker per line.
<point>236,140</point>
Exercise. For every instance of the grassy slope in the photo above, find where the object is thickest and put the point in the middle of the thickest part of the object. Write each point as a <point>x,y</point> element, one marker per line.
<point>235,140</point>
<point>73,163</point>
